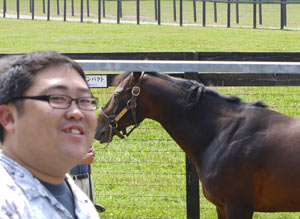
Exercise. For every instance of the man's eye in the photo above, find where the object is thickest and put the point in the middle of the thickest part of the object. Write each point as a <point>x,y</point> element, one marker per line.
<point>85,101</point>
<point>58,99</point>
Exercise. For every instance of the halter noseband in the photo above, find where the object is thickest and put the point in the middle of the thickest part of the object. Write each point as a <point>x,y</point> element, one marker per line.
<point>131,105</point>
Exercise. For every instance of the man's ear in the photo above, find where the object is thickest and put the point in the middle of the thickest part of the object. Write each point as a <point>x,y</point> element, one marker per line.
<point>6,118</point>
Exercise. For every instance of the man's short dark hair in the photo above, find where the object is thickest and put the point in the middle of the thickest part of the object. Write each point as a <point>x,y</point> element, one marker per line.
<point>17,74</point>
<point>7,61</point>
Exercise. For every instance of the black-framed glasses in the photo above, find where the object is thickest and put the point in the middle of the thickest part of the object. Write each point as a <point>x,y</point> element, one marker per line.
<point>61,101</point>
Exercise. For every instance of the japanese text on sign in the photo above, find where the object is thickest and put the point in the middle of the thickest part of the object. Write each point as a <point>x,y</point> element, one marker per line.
<point>97,81</point>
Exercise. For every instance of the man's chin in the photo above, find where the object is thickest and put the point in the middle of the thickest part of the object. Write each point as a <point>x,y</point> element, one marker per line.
<point>75,157</point>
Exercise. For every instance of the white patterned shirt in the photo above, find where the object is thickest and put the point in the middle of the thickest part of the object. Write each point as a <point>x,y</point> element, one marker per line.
<point>22,196</point>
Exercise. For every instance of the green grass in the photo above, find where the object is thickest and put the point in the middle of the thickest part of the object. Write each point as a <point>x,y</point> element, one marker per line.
<point>143,176</point>
<point>26,36</point>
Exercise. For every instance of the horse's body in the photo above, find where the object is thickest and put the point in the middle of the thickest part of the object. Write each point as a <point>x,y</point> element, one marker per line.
<point>247,156</point>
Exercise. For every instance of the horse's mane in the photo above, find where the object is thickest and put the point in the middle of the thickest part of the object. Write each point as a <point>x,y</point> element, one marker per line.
<point>235,99</point>
<point>195,87</point>
<point>194,90</point>
<point>179,81</point>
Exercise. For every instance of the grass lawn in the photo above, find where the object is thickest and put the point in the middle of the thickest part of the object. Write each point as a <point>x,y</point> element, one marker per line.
<point>26,36</point>
<point>144,175</point>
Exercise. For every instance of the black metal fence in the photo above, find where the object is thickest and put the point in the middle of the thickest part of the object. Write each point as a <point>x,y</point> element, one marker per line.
<point>98,9</point>
<point>192,182</point>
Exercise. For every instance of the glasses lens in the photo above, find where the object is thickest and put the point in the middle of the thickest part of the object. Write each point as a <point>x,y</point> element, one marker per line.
<point>88,103</point>
<point>60,101</point>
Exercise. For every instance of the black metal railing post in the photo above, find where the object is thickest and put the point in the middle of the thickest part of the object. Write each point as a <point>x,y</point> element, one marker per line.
<point>72,7</point>
<point>260,12</point>
<point>174,10</point>
<point>181,12</point>
<point>158,12</point>
<point>228,13</point>
<point>204,14</point>
<point>254,14</point>
<point>18,9</point>
<point>195,10</point>
<point>118,11</point>
<point>155,9</point>
<point>137,11</point>
<point>192,191</point>
<point>44,8</point>
<point>99,11</point>
<point>237,12</point>
<point>215,12</point>
<point>32,9</point>
<point>281,14</point>
<point>65,10</point>
<point>48,10</point>
<point>192,179</point>
<point>88,8</point>
<point>81,10</point>
<point>57,8</point>
<point>4,8</point>
<point>103,8</point>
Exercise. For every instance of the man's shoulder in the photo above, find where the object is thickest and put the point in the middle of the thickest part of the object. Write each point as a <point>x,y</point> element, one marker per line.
<point>13,203</point>
<point>6,181</point>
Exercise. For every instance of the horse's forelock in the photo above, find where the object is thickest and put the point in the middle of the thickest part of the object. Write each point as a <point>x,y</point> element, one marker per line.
<point>118,79</point>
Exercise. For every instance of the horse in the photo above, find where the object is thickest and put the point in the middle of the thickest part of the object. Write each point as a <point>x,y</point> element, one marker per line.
<point>247,156</point>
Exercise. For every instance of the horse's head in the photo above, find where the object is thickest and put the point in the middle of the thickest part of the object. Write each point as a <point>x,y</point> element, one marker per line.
<point>121,110</point>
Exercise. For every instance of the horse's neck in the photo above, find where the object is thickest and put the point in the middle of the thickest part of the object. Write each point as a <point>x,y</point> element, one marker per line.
<point>161,100</point>
<point>192,130</point>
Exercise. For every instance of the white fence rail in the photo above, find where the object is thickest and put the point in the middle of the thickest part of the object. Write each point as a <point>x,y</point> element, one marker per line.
<point>191,66</point>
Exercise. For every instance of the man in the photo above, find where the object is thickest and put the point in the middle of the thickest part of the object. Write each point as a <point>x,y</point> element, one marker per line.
<point>82,176</point>
<point>48,122</point>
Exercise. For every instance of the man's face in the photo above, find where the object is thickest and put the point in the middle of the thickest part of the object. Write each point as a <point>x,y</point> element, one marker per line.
<point>53,139</point>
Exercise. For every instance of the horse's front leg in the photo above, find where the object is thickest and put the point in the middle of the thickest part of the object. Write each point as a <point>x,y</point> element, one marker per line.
<point>237,212</point>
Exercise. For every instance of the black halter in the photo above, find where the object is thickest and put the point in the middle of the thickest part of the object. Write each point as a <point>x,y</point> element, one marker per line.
<point>131,106</point>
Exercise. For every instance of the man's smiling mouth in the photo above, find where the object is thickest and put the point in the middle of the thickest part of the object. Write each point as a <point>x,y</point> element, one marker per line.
<point>73,131</point>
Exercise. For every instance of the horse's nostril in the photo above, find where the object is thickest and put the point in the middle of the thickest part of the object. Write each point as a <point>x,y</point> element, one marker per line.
<point>99,134</point>
<point>102,135</point>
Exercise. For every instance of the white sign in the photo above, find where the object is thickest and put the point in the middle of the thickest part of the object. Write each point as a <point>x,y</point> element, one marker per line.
<point>96,80</point>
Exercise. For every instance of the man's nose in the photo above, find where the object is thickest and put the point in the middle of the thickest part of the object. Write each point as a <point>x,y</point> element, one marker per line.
<point>74,112</point>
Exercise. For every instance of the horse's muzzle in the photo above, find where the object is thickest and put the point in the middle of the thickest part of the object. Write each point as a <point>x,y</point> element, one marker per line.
<point>103,133</point>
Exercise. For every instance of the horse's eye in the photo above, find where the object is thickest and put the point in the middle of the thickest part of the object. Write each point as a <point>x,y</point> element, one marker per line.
<point>128,90</point>
<point>116,96</point>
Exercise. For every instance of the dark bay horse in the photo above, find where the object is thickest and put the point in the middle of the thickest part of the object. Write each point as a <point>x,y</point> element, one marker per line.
<point>247,156</point>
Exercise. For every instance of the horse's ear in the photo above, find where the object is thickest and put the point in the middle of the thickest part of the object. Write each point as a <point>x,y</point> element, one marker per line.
<point>136,75</point>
